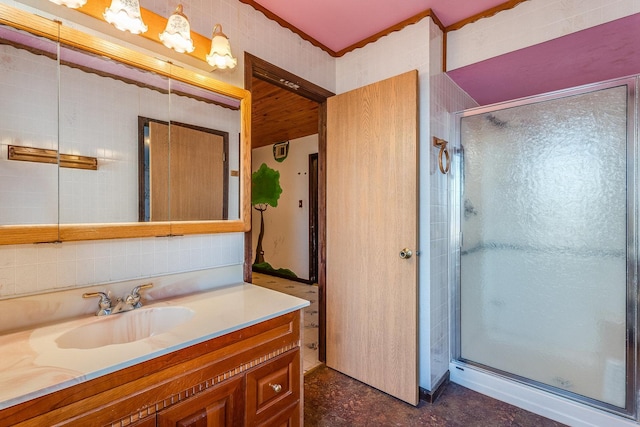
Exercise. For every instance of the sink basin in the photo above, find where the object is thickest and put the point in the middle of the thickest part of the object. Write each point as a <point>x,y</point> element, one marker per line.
<point>125,327</point>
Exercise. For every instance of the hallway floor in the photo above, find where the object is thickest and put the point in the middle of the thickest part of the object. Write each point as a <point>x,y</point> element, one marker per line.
<point>304,291</point>
<point>332,399</point>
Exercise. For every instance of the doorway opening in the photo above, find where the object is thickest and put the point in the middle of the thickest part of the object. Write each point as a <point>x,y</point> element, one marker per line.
<point>273,100</point>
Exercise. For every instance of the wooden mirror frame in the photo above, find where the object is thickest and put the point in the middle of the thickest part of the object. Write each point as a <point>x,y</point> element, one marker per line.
<point>56,31</point>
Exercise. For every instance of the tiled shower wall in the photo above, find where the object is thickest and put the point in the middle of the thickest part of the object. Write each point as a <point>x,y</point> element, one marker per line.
<point>446,98</point>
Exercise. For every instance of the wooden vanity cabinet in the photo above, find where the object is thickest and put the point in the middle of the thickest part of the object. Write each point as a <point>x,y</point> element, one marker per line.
<point>250,377</point>
<point>268,395</point>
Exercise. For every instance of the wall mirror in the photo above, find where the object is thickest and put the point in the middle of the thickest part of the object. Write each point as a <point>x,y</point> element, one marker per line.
<point>75,102</point>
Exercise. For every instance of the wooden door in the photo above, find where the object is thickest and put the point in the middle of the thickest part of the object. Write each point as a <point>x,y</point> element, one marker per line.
<point>159,171</point>
<point>197,175</point>
<point>371,216</point>
<point>187,174</point>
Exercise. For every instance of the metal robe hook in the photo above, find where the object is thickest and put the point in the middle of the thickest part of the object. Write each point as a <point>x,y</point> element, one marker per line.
<point>442,145</point>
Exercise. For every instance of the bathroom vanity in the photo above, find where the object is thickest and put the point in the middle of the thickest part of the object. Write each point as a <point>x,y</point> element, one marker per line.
<point>234,362</point>
<point>197,352</point>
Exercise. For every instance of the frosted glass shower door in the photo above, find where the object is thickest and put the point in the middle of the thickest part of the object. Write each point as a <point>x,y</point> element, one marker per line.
<point>543,261</point>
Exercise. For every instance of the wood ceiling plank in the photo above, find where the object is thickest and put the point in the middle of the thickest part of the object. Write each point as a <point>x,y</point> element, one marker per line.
<point>280,115</point>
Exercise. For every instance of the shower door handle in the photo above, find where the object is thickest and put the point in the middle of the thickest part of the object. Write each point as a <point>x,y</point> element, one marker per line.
<point>406,253</point>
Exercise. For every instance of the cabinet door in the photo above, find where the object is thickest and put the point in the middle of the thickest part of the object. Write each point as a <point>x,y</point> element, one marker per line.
<point>273,388</point>
<point>222,405</point>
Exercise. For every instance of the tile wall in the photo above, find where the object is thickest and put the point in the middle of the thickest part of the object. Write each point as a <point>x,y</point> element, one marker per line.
<point>33,201</point>
<point>31,269</point>
<point>383,59</point>
<point>447,98</point>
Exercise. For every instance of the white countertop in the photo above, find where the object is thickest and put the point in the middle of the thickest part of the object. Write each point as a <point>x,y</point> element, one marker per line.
<point>32,364</point>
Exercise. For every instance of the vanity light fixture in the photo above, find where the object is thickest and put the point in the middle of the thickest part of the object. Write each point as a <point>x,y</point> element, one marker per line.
<point>177,34</point>
<point>125,16</point>
<point>71,4</point>
<point>220,56</point>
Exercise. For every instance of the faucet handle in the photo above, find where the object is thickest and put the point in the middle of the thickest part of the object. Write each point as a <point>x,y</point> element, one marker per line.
<point>104,303</point>
<point>138,288</point>
<point>103,296</point>
<point>135,294</point>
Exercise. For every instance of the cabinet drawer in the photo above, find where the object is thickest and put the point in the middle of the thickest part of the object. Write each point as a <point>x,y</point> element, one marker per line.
<point>273,388</point>
<point>290,417</point>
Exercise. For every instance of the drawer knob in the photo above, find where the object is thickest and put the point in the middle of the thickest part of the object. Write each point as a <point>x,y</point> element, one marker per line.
<point>276,387</point>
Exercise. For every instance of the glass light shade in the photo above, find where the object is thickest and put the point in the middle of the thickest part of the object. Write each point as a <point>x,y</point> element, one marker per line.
<point>72,4</point>
<point>125,16</point>
<point>177,34</point>
<point>220,55</point>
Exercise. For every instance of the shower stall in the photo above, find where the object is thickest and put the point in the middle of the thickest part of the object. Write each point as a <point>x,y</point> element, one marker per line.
<point>544,239</point>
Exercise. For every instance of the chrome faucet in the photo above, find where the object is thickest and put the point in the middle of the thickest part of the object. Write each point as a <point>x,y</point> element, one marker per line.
<point>130,301</point>
<point>104,303</point>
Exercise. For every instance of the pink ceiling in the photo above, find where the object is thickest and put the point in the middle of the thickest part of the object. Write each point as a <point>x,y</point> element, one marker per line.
<point>599,53</point>
<point>338,24</point>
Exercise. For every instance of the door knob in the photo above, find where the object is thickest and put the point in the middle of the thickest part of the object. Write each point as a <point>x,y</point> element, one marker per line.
<point>406,253</point>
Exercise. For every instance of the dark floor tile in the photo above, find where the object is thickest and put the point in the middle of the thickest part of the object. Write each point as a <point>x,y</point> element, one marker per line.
<point>335,400</point>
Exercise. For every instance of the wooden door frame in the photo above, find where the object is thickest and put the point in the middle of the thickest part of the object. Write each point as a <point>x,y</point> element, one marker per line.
<point>261,69</point>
